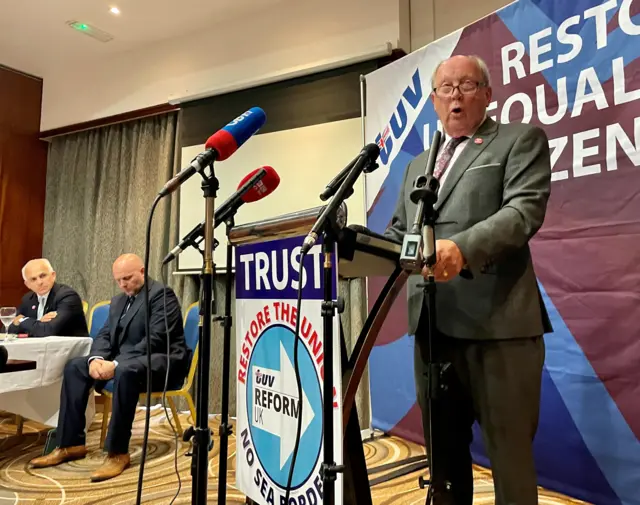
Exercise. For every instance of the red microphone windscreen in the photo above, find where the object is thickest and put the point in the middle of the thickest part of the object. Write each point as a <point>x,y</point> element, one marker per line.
<point>263,187</point>
<point>223,142</point>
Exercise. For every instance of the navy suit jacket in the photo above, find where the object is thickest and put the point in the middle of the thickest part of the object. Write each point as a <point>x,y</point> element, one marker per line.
<point>70,321</point>
<point>131,343</point>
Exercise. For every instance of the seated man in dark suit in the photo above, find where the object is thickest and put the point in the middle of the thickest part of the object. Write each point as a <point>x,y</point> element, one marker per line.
<point>119,353</point>
<point>49,308</point>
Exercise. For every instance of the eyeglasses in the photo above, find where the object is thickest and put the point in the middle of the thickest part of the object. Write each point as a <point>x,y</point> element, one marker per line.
<point>466,88</point>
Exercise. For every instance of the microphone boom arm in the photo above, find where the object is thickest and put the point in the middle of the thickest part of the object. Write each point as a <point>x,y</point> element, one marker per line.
<point>363,162</point>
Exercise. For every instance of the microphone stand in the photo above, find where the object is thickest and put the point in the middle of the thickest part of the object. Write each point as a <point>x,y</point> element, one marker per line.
<point>425,195</point>
<point>226,321</point>
<point>202,441</point>
<point>329,469</point>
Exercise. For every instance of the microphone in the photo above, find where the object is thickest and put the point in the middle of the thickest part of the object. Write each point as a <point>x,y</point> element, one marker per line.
<point>335,183</point>
<point>253,187</point>
<point>418,246</point>
<point>367,157</point>
<point>220,146</point>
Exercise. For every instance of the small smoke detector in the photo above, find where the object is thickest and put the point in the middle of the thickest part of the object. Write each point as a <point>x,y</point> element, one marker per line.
<point>90,30</point>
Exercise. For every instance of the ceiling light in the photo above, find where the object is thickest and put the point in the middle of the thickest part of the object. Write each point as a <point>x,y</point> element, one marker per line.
<point>114,10</point>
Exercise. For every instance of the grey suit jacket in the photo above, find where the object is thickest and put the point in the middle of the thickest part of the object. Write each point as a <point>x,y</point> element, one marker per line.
<point>491,203</point>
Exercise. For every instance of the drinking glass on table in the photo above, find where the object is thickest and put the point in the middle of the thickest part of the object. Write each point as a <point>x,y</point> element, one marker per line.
<point>7,315</point>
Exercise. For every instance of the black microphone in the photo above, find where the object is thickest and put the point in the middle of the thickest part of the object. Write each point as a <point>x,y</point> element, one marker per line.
<point>254,186</point>
<point>332,187</point>
<point>194,237</point>
<point>418,245</point>
<point>367,156</point>
<point>426,186</point>
<point>335,183</point>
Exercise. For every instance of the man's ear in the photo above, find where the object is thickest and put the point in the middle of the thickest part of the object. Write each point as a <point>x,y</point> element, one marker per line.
<point>489,95</point>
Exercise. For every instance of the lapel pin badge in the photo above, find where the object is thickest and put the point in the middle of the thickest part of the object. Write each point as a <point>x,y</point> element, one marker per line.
<point>33,307</point>
<point>478,141</point>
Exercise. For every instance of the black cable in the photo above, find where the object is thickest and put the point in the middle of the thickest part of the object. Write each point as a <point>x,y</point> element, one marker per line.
<point>147,420</point>
<point>296,339</point>
<point>166,383</point>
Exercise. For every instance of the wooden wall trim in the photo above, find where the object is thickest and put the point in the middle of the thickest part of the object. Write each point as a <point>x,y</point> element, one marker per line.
<point>110,120</point>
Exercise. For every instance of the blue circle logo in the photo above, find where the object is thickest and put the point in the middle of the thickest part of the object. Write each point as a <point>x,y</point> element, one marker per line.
<point>273,406</point>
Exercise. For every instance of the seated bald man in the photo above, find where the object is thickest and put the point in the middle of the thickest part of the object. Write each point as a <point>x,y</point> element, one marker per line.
<point>119,353</point>
<point>49,308</point>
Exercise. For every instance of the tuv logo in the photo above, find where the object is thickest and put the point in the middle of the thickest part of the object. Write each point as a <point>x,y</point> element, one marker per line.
<point>264,379</point>
<point>399,121</point>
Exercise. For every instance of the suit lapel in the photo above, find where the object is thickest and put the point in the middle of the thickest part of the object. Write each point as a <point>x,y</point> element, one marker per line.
<point>48,306</point>
<point>471,151</point>
<point>33,306</point>
<point>133,310</point>
<point>115,316</point>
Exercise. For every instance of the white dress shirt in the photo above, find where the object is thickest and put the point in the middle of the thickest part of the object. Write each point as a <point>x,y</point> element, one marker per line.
<point>42,302</point>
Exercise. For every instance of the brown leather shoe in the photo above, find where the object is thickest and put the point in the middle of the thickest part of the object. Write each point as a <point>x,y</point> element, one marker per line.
<point>113,466</point>
<point>58,456</point>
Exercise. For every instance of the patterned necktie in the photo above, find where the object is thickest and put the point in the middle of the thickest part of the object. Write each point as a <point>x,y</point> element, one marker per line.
<point>445,158</point>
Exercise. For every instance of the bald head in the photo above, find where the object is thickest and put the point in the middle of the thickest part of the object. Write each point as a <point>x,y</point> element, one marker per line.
<point>39,276</point>
<point>128,272</point>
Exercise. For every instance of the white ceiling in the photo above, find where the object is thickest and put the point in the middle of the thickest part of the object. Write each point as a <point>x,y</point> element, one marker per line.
<point>34,36</point>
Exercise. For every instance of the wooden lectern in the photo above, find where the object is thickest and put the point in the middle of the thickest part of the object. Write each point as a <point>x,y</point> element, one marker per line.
<point>361,253</point>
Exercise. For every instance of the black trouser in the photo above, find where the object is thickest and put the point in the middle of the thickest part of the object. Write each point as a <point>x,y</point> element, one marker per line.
<point>129,381</point>
<point>496,382</point>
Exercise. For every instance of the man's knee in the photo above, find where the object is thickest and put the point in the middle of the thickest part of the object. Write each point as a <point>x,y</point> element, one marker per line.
<point>77,367</point>
<point>128,372</point>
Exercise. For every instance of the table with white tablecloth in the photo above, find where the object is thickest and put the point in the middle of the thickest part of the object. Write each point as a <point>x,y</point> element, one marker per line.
<point>35,394</point>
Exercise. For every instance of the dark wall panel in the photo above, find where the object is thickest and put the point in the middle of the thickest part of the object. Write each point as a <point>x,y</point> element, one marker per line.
<point>23,168</point>
<point>319,98</point>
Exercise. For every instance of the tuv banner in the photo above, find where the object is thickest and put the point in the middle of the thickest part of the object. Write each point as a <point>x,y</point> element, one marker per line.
<point>268,276</point>
<point>573,69</point>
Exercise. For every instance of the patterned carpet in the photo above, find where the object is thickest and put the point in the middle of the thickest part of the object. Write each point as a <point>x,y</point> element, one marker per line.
<point>69,483</point>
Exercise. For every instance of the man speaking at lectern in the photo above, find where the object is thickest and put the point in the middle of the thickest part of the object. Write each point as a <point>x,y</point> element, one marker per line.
<point>494,187</point>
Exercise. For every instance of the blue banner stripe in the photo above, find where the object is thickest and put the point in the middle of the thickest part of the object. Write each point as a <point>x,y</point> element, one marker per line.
<point>382,211</point>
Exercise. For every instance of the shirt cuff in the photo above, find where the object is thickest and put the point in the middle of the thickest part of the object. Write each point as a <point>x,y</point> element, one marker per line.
<point>22,319</point>
<point>94,357</point>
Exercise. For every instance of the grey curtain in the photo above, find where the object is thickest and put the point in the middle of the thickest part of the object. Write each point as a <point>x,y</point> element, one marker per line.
<point>100,187</point>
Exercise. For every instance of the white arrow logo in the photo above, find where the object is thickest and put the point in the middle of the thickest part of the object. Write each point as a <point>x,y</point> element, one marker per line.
<point>276,404</point>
